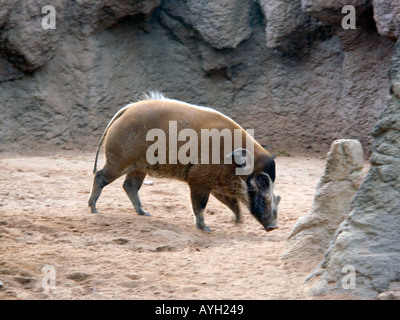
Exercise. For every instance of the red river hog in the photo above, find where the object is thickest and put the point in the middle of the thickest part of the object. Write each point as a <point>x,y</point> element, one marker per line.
<point>169,138</point>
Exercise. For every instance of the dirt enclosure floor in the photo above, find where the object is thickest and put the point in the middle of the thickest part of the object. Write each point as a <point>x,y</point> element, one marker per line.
<point>116,254</point>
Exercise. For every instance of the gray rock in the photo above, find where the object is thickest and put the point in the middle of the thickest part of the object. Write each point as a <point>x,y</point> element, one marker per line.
<point>389,295</point>
<point>27,44</point>
<point>221,23</point>
<point>387,17</point>
<point>288,27</point>
<point>386,13</point>
<point>368,238</point>
<point>90,16</point>
<point>8,71</point>
<point>5,8</point>
<point>330,11</point>
<point>60,92</point>
<point>312,233</point>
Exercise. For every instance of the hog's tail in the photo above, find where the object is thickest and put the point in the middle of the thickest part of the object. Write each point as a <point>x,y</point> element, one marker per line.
<point>115,117</point>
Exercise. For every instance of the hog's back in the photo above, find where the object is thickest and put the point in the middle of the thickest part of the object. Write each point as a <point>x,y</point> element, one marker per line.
<point>126,144</point>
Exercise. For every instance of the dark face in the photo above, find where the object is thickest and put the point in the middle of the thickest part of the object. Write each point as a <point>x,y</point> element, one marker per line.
<point>263,203</point>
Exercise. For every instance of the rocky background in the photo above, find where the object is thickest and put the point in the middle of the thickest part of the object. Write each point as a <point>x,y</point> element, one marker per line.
<point>284,68</point>
<point>367,241</point>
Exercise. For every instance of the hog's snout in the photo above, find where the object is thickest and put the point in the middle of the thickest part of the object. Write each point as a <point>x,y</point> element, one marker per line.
<point>271,227</point>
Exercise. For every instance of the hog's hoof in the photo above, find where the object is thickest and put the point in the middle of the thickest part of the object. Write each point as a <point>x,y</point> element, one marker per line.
<point>204,228</point>
<point>144,213</point>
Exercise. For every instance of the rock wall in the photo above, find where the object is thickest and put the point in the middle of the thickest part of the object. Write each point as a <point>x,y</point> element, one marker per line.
<point>367,242</point>
<point>286,69</point>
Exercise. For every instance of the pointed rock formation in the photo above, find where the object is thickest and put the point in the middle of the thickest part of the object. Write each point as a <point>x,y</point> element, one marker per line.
<point>312,233</point>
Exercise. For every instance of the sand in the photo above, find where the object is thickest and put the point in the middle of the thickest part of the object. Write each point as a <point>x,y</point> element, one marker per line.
<point>116,254</point>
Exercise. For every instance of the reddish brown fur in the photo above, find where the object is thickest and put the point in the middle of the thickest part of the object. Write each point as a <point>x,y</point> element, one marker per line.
<point>126,146</point>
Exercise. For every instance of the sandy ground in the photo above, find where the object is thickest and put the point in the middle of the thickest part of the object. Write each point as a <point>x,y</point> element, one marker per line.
<point>116,254</point>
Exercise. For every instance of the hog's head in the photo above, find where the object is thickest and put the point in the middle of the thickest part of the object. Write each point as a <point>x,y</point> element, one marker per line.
<point>259,185</point>
<point>263,203</point>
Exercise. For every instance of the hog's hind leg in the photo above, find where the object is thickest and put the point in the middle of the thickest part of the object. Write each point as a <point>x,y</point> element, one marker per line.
<point>132,184</point>
<point>101,178</point>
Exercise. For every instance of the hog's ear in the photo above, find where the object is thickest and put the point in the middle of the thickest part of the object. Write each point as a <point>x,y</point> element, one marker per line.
<point>261,182</point>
